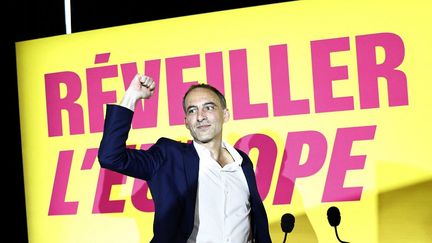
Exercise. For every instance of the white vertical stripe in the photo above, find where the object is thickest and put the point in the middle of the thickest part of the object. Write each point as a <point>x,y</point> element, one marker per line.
<point>68,16</point>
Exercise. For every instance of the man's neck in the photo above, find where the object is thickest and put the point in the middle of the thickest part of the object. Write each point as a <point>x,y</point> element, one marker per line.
<point>214,147</point>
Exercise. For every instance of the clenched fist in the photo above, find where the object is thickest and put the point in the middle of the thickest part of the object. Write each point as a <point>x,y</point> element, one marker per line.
<point>141,87</point>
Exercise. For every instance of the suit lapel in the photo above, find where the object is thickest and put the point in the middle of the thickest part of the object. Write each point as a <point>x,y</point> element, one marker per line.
<point>249,177</point>
<point>254,196</point>
<point>191,162</point>
<point>191,166</point>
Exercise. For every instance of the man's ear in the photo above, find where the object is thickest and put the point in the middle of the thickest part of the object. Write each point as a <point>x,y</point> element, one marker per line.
<point>226,115</point>
<point>186,123</point>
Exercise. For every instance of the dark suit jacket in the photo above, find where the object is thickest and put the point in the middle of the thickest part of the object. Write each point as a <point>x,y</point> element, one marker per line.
<point>171,171</point>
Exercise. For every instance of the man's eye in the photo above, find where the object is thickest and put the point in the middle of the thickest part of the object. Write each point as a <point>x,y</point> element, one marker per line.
<point>191,111</point>
<point>209,108</point>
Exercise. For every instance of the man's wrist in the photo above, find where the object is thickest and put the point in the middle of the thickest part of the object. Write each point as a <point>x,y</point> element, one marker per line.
<point>129,99</point>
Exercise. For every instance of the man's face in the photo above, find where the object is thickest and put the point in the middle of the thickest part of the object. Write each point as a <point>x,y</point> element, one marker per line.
<point>204,115</point>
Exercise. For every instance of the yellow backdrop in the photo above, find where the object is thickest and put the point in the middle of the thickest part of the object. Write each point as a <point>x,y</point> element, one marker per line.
<point>300,81</point>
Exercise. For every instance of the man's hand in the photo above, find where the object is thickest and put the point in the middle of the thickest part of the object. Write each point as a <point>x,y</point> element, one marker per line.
<point>141,87</point>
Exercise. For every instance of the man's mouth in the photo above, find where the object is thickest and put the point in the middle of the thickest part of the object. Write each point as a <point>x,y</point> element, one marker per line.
<point>204,126</point>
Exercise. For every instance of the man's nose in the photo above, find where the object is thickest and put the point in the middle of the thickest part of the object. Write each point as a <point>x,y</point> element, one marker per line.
<point>201,115</point>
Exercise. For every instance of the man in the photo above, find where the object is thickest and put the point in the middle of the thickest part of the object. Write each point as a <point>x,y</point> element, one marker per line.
<point>203,191</point>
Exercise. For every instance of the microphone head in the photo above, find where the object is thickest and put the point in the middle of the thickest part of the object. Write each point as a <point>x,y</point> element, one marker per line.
<point>287,222</point>
<point>333,216</point>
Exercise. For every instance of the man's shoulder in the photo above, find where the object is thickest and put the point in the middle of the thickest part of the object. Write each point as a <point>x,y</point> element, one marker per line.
<point>164,141</point>
<point>175,148</point>
<point>244,155</point>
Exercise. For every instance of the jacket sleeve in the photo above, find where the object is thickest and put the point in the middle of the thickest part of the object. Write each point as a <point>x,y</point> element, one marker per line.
<point>113,153</point>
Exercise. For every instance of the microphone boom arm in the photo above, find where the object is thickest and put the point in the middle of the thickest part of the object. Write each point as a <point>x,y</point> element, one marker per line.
<point>337,236</point>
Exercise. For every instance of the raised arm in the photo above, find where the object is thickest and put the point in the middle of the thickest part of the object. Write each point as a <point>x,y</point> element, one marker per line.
<point>113,153</point>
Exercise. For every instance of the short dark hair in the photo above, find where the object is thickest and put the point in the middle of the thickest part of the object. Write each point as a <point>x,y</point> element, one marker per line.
<point>208,87</point>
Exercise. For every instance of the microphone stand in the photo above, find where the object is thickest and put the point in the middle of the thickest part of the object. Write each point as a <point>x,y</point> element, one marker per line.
<point>337,236</point>
<point>286,233</point>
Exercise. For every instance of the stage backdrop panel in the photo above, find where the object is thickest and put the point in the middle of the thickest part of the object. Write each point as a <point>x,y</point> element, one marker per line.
<point>331,100</point>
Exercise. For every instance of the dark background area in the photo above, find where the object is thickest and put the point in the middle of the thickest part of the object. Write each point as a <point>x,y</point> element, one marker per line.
<point>30,19</point>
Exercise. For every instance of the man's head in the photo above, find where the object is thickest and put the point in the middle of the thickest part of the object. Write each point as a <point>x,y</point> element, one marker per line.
<point>205,112</point>
<point>205,86</point>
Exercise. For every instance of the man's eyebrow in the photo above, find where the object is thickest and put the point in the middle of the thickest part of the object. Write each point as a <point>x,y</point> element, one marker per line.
<point>207,103</point>
<point>210,103</point>
<point>191,106</point>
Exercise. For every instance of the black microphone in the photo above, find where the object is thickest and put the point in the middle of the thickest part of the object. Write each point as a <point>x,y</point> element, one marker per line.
<point>287,224</point>
<point>334,218</point>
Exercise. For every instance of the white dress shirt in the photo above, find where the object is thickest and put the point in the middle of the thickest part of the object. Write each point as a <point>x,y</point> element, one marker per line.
<point>222,204</point>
